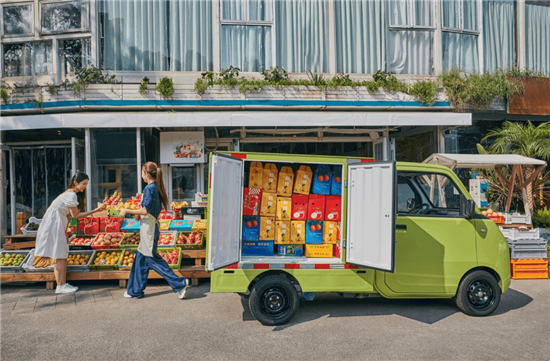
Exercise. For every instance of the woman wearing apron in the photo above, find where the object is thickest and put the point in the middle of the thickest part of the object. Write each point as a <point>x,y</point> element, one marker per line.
<point>154,197</point>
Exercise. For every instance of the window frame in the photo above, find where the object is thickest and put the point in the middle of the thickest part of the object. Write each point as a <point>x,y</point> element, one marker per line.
<point>68,31</point>
<point>33,75</point>
<point>6,5</point>
<point>247,22</point>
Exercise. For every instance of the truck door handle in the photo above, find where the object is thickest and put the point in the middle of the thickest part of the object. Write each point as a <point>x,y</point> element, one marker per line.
<point>401,226</point>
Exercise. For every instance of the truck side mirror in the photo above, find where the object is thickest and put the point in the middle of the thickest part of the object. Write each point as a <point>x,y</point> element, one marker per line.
<point>467,207</point>
<point>410,203</point>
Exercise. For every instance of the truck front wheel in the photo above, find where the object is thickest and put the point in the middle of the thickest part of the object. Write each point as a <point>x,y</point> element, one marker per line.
<point>273,300</point>
<point>478,294</point>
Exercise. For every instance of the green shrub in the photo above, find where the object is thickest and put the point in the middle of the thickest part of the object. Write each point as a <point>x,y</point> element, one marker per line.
<point>4,93</point>
<point>165,87</point>
<point>143,85</point>
<point>425,91</point>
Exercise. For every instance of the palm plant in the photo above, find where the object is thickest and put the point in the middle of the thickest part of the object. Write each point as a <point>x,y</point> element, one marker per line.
<point>523,139</point>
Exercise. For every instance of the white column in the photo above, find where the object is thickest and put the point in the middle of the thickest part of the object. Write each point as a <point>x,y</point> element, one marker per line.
<point>438,45</point>
<point>88,157</point>
<point>331,37</point>
<point>138,150</point>
<point>3,186</point>
<point>520,34</point>
<point>12,195</point>
<point>73,156</point>
<point>216,35</point>
<point>94,19</point>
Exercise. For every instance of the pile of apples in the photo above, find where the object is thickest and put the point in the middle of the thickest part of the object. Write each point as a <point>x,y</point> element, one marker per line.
<point>193,238</point>
<point>81,241</point>
<point>108,239</point>
<point>171,257</point>
<point>165,239</point>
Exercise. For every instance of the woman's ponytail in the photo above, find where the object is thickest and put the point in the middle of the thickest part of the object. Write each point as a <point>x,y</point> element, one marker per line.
<point>162,190</point>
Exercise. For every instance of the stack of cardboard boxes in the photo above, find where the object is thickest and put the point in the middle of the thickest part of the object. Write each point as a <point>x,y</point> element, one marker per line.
<point>284,213</point>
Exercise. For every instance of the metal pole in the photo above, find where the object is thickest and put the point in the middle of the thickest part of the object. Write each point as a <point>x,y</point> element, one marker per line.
<point>46,174</point>
<point>32,181</point>
<point>88,157</point>
<point>138,150</point>
<point>13,186</point>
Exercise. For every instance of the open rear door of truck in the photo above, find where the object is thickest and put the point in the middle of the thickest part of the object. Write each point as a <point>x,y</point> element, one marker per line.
<point>224,217</point>
<point>371,215</point>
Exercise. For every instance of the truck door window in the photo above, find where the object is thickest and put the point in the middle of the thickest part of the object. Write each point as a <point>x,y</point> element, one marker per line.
<point>406,196</point>
<point>440,193</point>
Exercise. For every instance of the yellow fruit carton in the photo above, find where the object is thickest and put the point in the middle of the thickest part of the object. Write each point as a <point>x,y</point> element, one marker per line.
<point>304,177</point>
<point>286,182</point>
<point>330,232</point>
<point>256,173</point>
<point>284,207</point>
<point>298,232</point>
<point>199,225</point>
<point>318,250</point>
<point>270,178</point>
<point>267,228</point>
<point>282,235</point>
<point>269,204</point>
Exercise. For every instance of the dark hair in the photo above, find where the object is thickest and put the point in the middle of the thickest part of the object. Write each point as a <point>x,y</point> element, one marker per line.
<point>156,173</point>
<point>77,178</point>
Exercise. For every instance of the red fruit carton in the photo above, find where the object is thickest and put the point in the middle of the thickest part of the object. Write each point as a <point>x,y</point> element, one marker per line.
<point>316,207</point>
<point>299,207</point>
<point>333,208</point>
<point>251,201</point>
<point>109,224</point>
<point>88,225</point>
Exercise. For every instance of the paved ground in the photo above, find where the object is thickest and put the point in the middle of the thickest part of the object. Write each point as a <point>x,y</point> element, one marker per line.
<point>99,324</point>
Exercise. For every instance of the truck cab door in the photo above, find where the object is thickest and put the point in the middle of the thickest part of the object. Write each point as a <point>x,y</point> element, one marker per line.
<point>224,211</point>
<point>371,215</point>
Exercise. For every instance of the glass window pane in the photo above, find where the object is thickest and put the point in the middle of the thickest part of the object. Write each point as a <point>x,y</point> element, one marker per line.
<point>62,16</point>
<point>55,165</point>
<point>39,176</point>
<point>460,51</point>
<point>537,36</point>
<point>410,52</point>
<point>440,190</point>
<point>399,12</point>
<point>74,53</point>
<point>404,193</point>
<point>233,9</point>
<point>423,12</point>
<point>23,181</point>
<point>469,13</point>
<point>184,183</point>
<point>18,19</point>
<point>246,47</point>
<point>451,14</point>
<point>27,59</point>
<point>259,10</point>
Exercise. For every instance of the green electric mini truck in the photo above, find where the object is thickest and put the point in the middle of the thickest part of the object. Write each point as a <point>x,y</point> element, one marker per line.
<point>407,230</point>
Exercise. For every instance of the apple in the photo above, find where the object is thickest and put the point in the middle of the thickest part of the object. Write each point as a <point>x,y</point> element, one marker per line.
<point>337,179</point>
<point>254,223</point>
<point>248,224</point>
<point>320,178</point>
<point>326,178</point>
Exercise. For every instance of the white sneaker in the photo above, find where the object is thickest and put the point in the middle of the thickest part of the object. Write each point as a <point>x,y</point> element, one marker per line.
<point>65,289</point>
<point>126,295</point>
<point>183,291</point>
<point>71,286</point>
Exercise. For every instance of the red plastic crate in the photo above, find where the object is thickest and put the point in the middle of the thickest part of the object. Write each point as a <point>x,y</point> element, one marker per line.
<point>529,268</point>
<point>497,219</point>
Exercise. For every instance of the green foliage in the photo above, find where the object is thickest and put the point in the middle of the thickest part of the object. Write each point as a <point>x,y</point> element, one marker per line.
<point>90,75</point>
<point>425,91</point>
<point>389,82</point>
<point>517,72</point>
<point>4,93</point>
<point>478,90</point>
<point>276,77</point>
<point>317,80</point>
<point>524,139</point>
<point>541,218</point>
<point>52,89</point>
<point>165,87</point>
<point>143,85</point>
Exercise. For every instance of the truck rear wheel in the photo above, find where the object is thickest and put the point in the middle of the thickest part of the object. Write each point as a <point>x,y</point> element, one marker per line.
<point>478,294</point>
<point>273,300</point>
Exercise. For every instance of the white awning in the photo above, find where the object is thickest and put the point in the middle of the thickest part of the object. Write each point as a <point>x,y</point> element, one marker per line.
<point>233,119</point>
<point>481,160</point>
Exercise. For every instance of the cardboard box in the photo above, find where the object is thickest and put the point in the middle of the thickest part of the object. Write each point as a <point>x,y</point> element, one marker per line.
<point>286,182</point>
<point>330,232</point>
<point>318,250</point>
<point>316,207</point>
<point>269,204</point>
<point>270,178</point>
<point>164,224</point>
<point>267,228</point>
<point>292,250</point>
<point>22,215</point>
<point>256,174</point>
<point>129,225</point>
<point>181,225</point>
<point>303,180</point>
<point>251,228</point>
<point>299,207</point>
<point>252,198</point>
<point>282,234</point>
<point>337,250</point>
<point>284,208</point>
<point>89,225</point>
<point>322,180</point>
<point>333,208</point>
<point>314,232</point>
<point>297,232</point>
<point>257,248</point>
<point>336,183</point>
<point>199,225</point>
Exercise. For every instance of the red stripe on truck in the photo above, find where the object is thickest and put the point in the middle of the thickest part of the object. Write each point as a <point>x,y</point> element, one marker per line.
<point>239,155</point>
<point>261,266</point>
<point>292,266</point>
<point>322,266</point>
<point>350,266</point>
<point>367,160</point>
<point>233,266</point>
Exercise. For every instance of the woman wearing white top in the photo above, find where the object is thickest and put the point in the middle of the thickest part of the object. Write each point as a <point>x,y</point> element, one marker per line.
<point>51,240</point>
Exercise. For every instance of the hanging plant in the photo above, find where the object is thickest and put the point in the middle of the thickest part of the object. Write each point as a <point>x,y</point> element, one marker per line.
<point>165,87</point>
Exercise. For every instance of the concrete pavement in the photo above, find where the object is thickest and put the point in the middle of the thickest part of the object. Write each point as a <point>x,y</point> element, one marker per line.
<point>97,323</point>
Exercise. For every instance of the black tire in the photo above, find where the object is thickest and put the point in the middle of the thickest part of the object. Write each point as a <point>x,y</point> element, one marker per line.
<point>273,300</point>
<point>478,294</point>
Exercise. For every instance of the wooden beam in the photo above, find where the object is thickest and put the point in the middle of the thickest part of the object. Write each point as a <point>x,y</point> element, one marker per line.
<point>19,245</point>
<point>523,187</point>
<point>534,175</point>
<point>502,177</point>
<point>511,188</point>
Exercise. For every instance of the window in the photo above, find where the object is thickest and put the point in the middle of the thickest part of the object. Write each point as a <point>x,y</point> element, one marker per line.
<point>246,35</point>
<point>537,35</point>
<point>184,183</point>
<point>18,19</point>
<point>73,53</point>
<point>66,16</point>
<point>460,26</point>
<point>28,59</point>
<point>410,36</point>
<point>406,196</point>
<point>499,34</point>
